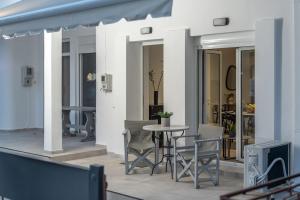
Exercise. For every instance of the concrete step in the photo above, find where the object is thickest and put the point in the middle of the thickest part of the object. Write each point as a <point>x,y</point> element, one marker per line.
<point>96,150</point>
<point>74,154</point>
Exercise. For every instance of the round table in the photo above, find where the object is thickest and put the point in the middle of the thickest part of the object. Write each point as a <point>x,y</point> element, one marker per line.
<point>158,129</point>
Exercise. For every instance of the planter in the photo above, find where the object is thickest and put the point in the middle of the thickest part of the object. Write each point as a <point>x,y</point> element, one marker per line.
<point>165,122</point>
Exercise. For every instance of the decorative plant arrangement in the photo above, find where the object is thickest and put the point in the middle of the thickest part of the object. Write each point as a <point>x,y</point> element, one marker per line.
<point>165,118</point>
<point>155,88</point>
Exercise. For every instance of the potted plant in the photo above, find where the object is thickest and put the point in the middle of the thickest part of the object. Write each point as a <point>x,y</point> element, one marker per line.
<point>232,132</point>
<point>165,118</point>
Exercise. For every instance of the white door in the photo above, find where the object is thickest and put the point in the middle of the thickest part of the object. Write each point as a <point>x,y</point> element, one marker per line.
<point>245,99</point>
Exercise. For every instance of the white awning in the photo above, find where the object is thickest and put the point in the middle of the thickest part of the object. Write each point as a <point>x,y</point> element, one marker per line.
<point>31,17</point>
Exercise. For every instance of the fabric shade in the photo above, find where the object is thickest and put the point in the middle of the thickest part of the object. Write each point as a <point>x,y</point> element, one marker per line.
<point>30,17</point>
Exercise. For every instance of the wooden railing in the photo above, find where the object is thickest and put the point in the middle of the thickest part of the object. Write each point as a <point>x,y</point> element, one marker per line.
<point>285,191</point>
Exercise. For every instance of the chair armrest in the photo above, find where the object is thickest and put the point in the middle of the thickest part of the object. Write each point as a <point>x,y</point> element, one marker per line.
<point>185,148</point>
<point>208,140</point>
<point>185,136</point>
<point>125,132</point>
<point>216,140</point>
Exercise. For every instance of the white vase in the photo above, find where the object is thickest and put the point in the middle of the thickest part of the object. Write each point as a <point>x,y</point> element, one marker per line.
<point>165,122</point>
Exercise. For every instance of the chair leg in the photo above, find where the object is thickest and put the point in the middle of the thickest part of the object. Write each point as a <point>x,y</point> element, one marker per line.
<point>175,163</point>
<point>171,167</point>
<point>126,164</point>
<point>217,170</point>
<point>196,179</point>
<point>196,173</point>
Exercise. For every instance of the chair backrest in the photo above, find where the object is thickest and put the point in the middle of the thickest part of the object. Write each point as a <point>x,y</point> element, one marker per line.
<point>210,132</point>
<point>139,138</point>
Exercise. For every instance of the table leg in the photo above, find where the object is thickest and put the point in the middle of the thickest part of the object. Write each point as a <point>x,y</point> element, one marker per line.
<point>229,148</point>
<point>66,122</point>
<point>88,127</point>
<point>169,155</point>
<point>156,153</point>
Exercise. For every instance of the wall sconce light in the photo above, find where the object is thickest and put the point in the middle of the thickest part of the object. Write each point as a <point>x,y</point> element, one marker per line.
<point>221,21</point>
<point>146,30</point>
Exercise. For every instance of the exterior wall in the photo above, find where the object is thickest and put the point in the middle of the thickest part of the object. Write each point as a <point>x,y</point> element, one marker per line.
<point>187,15</point>
<point>21,107</point>
<point>296,88</point>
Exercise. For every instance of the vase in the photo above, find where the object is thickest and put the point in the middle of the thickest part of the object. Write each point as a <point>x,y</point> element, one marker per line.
<point>155,98</point>
<point>165,122</point>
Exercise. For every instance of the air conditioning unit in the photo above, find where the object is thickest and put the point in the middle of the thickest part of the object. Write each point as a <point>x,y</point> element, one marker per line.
<point>265,162</point>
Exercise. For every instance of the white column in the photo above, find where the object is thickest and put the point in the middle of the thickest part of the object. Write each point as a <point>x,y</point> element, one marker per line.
<point>296,135</point>
<point>180,79</point>
<point>267,80</point>
<point>175,74</point>
<point>52,92</point>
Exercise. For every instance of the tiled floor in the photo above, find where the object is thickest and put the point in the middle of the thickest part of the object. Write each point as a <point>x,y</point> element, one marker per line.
<point>158,186</point>
<point>32,141</point>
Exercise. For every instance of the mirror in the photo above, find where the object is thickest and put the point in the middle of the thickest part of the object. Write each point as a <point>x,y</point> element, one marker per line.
<point>231,78</point>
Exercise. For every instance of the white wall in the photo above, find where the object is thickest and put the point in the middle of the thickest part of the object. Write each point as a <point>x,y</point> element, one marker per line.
<point>296,88</point>
<point>111,107</point>
<point>197,16</point>
<point>267,80</point>
<point>134,82</point>
<point>21,107</point>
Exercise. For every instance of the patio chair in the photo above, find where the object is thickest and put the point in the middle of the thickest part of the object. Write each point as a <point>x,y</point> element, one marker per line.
<point>202,156</point>
<point>139,143</point>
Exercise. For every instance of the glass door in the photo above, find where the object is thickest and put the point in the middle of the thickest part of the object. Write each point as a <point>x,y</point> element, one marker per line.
<point>87,82</point>
<point>245,99</point>
<point>212,88</point>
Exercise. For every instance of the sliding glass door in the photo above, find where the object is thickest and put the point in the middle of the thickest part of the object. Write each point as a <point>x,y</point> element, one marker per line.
<point>246,95</point>
<point>212,87</point>
<point>228,96</point>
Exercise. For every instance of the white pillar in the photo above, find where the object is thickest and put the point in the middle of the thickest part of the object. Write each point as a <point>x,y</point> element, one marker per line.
<point>267,80</point>
<point>180,78</point>
<point>296,135</point>
<point>175,75</point>
<point>52,92</point>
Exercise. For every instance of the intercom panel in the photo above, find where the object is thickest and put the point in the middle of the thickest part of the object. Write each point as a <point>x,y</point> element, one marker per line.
<point>27,76</point>
<point>106,81</point>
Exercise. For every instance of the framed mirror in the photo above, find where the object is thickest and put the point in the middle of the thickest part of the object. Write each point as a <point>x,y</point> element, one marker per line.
<point>231,78</point>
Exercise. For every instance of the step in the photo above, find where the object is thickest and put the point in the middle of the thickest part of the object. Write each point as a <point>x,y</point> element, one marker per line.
<point>87,152</point>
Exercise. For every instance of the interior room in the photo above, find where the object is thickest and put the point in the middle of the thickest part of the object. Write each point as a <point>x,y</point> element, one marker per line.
<point>229,97</point>
<point>153,81</point>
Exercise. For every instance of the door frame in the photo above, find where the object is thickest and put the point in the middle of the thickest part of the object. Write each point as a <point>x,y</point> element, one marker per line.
<point>239,111</point>
<point>238,40</point>
<point>80,76</point>
<point>145,44</point>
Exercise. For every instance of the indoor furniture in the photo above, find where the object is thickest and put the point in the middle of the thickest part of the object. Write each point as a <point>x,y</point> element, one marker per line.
<point>89,125</point>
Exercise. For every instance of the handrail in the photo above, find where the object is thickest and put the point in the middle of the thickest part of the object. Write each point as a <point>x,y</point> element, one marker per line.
<point>288,188</point>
